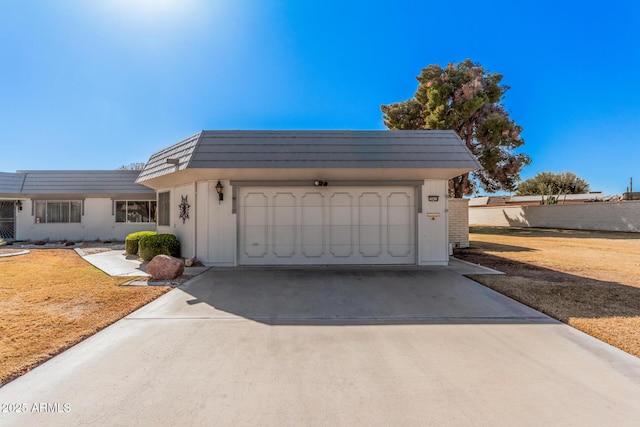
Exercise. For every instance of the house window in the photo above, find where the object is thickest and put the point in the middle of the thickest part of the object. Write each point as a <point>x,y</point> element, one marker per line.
<point>58,211</point>
<point>164,200</point>
<point>135,210</point>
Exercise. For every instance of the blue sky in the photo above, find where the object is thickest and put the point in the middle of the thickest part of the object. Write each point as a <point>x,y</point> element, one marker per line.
<point>99,84</point>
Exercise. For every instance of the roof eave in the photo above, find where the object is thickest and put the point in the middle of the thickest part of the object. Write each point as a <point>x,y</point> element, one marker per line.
<point>188,176</point>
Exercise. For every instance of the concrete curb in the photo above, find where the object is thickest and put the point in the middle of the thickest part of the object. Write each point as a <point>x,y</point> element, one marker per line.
<point>14,254</point>
<point>466,267</point>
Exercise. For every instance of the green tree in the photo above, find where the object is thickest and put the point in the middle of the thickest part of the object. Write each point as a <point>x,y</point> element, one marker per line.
<point>549,183</point>
<point>132,167</point>
<point>467,99</point>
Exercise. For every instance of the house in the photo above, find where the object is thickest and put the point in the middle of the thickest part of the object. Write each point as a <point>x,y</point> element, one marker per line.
<point>308,197</point>
<point>260,198</point>
<point>74,205</point>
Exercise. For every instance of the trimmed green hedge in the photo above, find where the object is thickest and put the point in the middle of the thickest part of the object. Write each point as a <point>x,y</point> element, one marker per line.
<point>131,242</point>
<point>161,244</point>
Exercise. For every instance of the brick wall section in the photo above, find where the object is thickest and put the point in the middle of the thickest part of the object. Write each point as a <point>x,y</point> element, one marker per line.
<point>459,222</point>
<point>605,216</point>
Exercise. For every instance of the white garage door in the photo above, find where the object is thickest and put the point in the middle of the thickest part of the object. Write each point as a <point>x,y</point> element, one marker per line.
<point>326,225</point>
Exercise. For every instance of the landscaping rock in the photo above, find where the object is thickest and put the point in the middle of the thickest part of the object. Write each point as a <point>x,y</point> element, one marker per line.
<point>165,267</point>
<point>190,262</point>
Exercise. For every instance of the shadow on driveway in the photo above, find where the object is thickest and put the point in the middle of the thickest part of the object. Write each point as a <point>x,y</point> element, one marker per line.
<point>340,296</point>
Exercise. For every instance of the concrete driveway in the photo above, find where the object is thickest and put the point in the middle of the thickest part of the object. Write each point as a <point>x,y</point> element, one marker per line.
<point>332,346</point>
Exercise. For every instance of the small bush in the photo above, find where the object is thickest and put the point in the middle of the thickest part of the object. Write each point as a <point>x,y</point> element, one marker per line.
<point>160,244</point>
<point>2,242</point>
<point>131,242</point>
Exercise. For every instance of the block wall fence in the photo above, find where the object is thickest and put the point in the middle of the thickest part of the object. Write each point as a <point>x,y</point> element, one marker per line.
<point>459,222</point>
<point>604,216</point>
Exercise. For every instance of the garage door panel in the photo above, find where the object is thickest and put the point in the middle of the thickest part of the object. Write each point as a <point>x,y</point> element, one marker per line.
<point>342,225</point>
<point>400,228</point>
<point>285,225</point>
<point>370,239</point>
<point>312,225</point>
<point>254,226</point>
<point>370,224</point>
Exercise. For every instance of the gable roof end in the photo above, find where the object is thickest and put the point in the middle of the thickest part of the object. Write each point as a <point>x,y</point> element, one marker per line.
<point>158,164</point>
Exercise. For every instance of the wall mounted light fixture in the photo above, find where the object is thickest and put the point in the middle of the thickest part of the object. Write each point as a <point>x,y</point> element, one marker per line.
<point>19,205</point>
<point>219,189</point>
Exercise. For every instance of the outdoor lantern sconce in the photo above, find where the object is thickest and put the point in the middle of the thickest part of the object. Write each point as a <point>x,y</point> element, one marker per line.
<point>19,205</point>
<point>219,189</point>
<point>318,183</point>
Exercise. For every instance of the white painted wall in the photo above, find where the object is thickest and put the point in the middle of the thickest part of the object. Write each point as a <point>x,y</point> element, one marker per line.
<point>97,223</point>
<point>433,246</point>
<point>184,230</point>
<point>605,216</point>
<point>216,225</point>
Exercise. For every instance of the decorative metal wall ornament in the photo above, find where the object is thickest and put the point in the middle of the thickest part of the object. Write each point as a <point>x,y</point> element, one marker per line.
<point>184,209</point>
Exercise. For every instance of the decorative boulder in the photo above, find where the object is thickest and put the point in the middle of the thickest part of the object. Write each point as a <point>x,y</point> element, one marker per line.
<point>165,267</point>
<point>190,262</point>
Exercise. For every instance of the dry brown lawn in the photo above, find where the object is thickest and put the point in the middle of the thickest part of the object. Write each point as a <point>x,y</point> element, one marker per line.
<point>50,299</point>
<point>587,279</point>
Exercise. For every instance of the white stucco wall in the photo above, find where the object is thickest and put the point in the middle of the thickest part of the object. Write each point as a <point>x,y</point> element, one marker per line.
<point>433,245</point>
<point>605,216</point>
<point>184,230</point>
<point>97,223</point>
<point>216,225</point>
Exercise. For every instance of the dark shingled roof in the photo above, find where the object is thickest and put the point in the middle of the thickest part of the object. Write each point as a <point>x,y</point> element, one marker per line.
<point>11,183</point>
<point>313,149</point>
<point>77,182</point>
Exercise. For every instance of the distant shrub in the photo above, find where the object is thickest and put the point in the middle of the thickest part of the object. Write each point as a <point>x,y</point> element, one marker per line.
<point>131,242</point>
<point>160,244</point>
<point>2,242</point>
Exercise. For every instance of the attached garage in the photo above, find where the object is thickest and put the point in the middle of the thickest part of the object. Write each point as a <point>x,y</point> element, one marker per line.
<point>309,197</point>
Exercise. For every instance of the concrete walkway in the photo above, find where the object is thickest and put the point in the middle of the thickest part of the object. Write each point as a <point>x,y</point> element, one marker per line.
<point>324,346</point>
<point>115,263</point>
